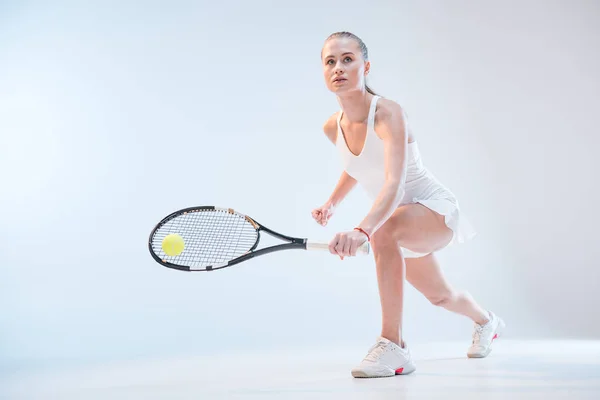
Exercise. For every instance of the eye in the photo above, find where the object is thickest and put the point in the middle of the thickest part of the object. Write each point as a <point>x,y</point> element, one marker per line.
<point>330,61</point>
<point>347,59</point>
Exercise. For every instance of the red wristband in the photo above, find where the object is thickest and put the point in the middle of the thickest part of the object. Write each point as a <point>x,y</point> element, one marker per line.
<point>363,231</point>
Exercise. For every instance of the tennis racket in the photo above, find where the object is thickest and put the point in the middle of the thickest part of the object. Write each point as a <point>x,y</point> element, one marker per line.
<point>216,238</point>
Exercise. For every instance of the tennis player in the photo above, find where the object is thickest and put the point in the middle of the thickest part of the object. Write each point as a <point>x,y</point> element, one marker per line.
<point>413,215</point>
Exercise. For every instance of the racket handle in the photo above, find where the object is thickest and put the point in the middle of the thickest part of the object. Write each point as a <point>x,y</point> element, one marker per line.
<point>364,249</point>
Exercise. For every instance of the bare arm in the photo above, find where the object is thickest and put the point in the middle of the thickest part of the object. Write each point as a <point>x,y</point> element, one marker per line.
<point>344,186</point>
<point>391,128</point>
<point>346,183</point>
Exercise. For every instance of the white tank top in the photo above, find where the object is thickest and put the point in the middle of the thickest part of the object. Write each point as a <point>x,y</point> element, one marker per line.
<point>368,167</point>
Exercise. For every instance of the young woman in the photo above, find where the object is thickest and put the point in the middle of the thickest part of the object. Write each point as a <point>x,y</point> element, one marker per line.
<point>413,215</point>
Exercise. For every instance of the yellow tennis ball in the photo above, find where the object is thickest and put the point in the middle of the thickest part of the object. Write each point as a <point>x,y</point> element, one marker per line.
<point>173,244</point>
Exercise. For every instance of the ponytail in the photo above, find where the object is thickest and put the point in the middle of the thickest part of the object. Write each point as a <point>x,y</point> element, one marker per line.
<point>369,90</point>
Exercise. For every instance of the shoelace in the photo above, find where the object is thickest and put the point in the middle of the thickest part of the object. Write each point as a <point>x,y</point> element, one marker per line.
<point>376,351</point>
<point>479,331</point>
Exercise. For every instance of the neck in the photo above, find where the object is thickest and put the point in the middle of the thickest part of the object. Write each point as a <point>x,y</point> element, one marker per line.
<point>355,105</point>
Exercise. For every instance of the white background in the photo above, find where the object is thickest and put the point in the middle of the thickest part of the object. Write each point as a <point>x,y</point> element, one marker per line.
<point>114,114</point>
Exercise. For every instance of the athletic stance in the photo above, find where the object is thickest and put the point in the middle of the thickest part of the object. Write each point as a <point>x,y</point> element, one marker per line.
<point>413,214</point>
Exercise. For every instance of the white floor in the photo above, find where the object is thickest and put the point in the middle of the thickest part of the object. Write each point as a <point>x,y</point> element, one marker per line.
<point>515,370</point>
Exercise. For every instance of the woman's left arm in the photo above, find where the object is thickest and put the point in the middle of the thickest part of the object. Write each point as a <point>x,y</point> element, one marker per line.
<point>391,128</point>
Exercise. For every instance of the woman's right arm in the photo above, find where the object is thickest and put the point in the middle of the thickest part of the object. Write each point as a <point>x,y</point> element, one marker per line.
<point>344,186</point>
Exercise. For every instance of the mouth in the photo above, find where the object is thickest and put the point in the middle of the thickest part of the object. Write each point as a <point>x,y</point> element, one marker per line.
<point>338,80</point>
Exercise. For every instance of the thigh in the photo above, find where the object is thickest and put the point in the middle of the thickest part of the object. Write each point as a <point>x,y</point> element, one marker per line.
<point>425,275</point>
<point>417,228</point>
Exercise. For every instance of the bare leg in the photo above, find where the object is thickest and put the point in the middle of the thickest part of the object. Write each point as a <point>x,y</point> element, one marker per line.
<point>390,279</point>
<point>413,226</point>
<point>427,277</point>
<point>422,230</point>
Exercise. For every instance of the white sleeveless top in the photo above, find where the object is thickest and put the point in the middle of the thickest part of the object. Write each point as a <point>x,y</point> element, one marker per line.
<point>368,167</point>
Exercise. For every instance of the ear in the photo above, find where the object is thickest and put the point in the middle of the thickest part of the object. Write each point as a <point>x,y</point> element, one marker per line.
<point>367,67</point>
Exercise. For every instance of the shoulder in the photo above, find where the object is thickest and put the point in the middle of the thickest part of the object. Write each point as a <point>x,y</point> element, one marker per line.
<point>330,127</point>
<point>390,119</point>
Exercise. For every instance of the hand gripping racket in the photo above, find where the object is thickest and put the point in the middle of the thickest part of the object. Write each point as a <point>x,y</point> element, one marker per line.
<point>216,238</point>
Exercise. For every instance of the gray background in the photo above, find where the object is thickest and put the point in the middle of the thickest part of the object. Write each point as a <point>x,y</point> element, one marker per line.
<point>114,114</point>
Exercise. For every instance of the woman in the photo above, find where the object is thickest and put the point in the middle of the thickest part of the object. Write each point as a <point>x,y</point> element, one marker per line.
<point>413,214</point>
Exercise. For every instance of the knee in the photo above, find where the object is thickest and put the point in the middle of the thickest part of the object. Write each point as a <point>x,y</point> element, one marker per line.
<point>443,299</point>
<point>382,238</point>
<point>388,235</point>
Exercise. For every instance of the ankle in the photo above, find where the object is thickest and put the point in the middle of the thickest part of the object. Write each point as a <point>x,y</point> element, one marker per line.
<point>484,319</point>
<point>395,339</point>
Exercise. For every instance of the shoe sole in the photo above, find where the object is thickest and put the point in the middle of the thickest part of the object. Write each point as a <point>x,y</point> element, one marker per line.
<point>499,330</point>
<point>400,371</point>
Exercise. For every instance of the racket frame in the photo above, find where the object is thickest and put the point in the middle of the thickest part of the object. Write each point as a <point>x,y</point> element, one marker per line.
<point>293,243</point>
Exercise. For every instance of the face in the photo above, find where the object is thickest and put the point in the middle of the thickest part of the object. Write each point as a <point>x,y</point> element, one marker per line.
<point>344,69</point>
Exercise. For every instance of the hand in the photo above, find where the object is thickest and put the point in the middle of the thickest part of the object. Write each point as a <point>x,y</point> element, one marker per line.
<point>323,213</point>
<point>345,244</point>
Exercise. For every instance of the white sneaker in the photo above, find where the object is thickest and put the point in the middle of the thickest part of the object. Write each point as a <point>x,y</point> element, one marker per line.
<point>484,335</point>
<point>385,358</point>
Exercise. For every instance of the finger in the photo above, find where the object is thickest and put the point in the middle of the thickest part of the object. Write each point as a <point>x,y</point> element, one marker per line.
<point>347,248</point>
<point>319,217</point>
<point>353,249</point>
<point>332,244</point>
<point>342,241</point>
<point>337,248</point>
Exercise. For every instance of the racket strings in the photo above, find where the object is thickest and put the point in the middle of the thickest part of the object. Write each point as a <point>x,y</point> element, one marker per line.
<point>211,237</point>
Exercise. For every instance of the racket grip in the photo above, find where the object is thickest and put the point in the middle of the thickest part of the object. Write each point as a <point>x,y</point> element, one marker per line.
<point>364,249</point>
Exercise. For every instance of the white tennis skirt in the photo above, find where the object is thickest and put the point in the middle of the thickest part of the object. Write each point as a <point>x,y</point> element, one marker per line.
<point>454,218</point>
